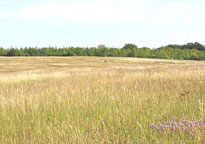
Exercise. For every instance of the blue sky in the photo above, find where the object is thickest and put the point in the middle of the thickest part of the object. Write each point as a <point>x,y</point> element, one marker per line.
<point>151,23</point>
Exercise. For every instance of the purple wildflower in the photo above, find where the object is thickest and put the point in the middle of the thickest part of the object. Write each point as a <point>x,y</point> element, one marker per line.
<point>181,125</point>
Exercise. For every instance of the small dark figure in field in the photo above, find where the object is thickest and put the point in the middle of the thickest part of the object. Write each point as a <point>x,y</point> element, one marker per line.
<point>105,61</point>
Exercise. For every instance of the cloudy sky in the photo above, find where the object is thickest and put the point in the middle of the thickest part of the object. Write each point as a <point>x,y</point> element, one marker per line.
<point>86,23</point>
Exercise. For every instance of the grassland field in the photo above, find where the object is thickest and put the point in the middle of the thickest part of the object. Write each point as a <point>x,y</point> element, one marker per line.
<point>82,100</point>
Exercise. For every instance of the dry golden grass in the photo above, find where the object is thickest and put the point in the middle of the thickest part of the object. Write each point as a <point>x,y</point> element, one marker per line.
<point>84,100</point>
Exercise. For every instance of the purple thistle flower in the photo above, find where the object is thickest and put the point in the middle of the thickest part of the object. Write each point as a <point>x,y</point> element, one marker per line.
<point>193,124</point>
<point>166,126</point>
<point>183,125</point>
<point>185,121</point>
<point>188,123</point>
<point>174,123</point>
<point>155,127</point>
<point>167,123</point>
<point>183,117</point>
<point>184,128</point>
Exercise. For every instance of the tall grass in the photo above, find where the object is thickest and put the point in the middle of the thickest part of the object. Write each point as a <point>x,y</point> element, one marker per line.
<point>90,102</point>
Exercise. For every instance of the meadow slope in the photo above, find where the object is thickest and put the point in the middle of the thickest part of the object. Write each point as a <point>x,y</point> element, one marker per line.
<point>84,100</point>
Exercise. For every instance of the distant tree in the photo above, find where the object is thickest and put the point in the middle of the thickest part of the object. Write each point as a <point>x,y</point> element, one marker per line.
<point>195,45</point>
<point>143,52</point>
<point>92,51</point>
<point>15,52</point>
<point>129,46</point>
<point>102,50</point>
<point>124,52</point>
<point>101,46</point>
<point>195,54</point>
<point>131,50</point>
<point>79,51</point>
<point>193,51</point>
<point>3,52</point>
<point>70,53</point>
<point>113,52</point>
<point>174,46</point>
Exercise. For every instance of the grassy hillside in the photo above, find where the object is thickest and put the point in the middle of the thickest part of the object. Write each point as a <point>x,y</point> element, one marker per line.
<point>84,100</point>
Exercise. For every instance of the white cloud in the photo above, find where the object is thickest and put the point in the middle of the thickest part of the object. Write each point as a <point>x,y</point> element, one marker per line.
<point>108,11</point>
<point>178,12</point>
<point>56,23</point>
<point>95,12</point>
<point>149,21</point>
<point>197,36</point>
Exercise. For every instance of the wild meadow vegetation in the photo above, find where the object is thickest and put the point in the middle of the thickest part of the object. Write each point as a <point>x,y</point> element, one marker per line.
<point>84,100</point>
<point>189,51</point>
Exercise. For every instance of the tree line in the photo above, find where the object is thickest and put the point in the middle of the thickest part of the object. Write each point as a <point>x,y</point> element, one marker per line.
<point>189,51</point>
